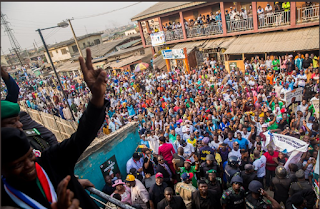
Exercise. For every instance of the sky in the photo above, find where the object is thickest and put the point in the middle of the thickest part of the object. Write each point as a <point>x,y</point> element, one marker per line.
<point>26,17</point>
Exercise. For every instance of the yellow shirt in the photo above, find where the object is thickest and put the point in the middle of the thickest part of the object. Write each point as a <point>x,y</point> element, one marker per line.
<point>315,62</point>
<point>193,143</point>
<point>218,158</point>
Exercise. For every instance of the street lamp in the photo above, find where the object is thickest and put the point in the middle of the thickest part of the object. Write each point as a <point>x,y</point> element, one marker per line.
<point>61,25</point>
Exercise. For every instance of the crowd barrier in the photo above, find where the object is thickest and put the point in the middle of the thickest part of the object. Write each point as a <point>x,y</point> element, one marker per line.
<point>61,128</point>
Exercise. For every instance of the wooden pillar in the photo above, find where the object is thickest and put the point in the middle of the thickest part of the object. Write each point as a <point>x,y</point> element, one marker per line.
<point>242,56</point>
<point>293,13</point>
<point>265,56</point>
<point>223,18</point>
<point>141,34</point>
<point>160,24</point>
<point>168,65</point>
<point>152,49</point>
<point>255,16</point>
<point>186,60</point>
<point>183,26</point>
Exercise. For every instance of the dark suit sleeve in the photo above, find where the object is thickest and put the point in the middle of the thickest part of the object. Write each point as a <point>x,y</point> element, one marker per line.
<point>193,201</point>
<point>183,205</point>
<point>29,123</point>
<point>13,90</point>
<point>68,151</point>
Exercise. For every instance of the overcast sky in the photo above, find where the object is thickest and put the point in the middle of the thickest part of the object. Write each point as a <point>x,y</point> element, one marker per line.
<point>26,17</point>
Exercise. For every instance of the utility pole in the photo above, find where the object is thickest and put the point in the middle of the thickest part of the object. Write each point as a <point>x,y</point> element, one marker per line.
<point>13,41</point>
<point>86,29</point>
<point>75,39</point>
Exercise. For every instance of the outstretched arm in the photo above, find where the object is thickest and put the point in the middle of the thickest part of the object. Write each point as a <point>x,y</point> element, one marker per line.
<point>12,86</point>
<point>91,120</point>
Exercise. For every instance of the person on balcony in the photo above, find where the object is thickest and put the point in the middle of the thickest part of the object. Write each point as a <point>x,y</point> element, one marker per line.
<point>261,16</point>
<point>268,10</point>
<point>286,9</point>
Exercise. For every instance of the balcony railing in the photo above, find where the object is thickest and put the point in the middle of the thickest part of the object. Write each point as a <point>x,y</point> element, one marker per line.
<point>274,19</point>
<point>204,30</point>
<point>239,25</point>
<point>308,14</point>
<point>175,34</point>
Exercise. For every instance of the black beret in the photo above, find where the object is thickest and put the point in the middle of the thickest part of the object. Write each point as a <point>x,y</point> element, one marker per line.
<point>14,144</point>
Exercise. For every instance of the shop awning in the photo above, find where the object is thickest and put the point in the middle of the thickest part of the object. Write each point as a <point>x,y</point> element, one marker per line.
<point>68,67</point>
<point>126,61</point>
<point>189,45</point>
<point>219,42</point>
<point>281,41</point>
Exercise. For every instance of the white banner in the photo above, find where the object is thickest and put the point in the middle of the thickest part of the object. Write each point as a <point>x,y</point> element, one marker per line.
<point>158,39</point>
<point>315,104</point>
<point>292,146</point>
<point>173,54</point>
<point>293,96</point>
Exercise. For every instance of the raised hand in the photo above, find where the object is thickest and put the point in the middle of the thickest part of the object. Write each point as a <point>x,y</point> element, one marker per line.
<point>65,196</point>
<point>96,80</point>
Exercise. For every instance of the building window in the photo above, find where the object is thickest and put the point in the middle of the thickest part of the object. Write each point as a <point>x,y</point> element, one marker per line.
<point>84,45</point>
<point>142,52</point>
<point>63,51</point>
<point>51,55</point>
<point>97,41</point>
<point>75,48</point>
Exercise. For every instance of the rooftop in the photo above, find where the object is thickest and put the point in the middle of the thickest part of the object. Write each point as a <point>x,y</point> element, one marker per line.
<point>71,41</point>
<point>162,8</point>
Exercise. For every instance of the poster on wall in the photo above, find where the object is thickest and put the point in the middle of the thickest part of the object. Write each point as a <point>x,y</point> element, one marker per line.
<point>293,96</point>
<point>158,39</point>
<point>173,54</point>
<point>315,104</point>
<point>110,167</point>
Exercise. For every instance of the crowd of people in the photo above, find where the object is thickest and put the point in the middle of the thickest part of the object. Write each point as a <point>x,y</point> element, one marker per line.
<point>203,133</point>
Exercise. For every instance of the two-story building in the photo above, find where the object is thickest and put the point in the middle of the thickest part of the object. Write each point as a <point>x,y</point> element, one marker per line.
<point>65,50</point>
<point>213,29</point>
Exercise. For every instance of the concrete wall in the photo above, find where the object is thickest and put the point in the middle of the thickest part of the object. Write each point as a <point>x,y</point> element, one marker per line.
<point>3,60</point>
<point>86,42</point>
<point>121,143</point>
<point>57,54</point>
<point>129,32</point>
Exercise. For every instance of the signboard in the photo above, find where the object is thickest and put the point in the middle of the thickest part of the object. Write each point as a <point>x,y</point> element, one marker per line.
<point>157,39</point>
<point>292,146</point>
<point>110,167</point>
<point>293,96</point>
<point>315,104</point>
<point>232,64</point>
<point>173,54</point>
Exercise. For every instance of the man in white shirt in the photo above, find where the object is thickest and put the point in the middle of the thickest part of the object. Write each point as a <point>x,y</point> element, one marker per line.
<point>261,16</point>
<point>235,151</point>
<point>188,150</point>
<point>259,164</point>
<point>302,77</point>
<point>268,10</point>
<point>268,62</point>
<point>278,88</point>
<point>153,141</point>
<point>212,62</point>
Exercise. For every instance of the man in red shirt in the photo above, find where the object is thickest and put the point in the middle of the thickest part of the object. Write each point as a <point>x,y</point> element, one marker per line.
<point>166,150</point>
<point>271,165</point>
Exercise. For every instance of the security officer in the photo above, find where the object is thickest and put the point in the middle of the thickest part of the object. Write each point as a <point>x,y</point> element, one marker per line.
<point>280,184</point>
<point>234,196</point>
<point>255,199</point>
<point>10,118</point>
<point>232,169</point>
<point>300,184</point>
<point>248,175</point>
<point>209,164</point>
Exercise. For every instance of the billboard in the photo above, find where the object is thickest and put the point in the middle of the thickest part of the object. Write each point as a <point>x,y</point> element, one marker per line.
<point>157,39</point>
<point>173,54</point>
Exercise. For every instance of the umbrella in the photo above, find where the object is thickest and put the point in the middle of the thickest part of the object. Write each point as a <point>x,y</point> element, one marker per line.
<point>141,66</point>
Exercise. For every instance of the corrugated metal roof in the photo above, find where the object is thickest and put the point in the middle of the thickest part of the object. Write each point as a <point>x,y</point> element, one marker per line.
<point>127,61</point>
<point>159,62</point>
<point>282,41</point>
<point>219,42</point>
<point>71,41</point>
<point>189,45</point>
<point>162,8</point>
<point>130,49</point>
